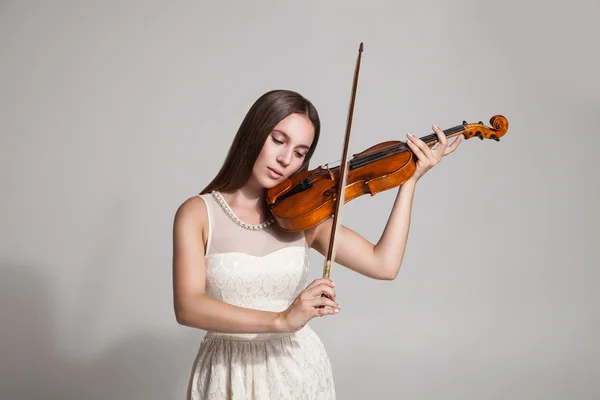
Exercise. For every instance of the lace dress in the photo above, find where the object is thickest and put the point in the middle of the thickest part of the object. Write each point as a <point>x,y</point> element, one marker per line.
<point>260,267</point>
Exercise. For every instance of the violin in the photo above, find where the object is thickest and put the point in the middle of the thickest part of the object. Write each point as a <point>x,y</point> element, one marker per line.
<point>308,198</point>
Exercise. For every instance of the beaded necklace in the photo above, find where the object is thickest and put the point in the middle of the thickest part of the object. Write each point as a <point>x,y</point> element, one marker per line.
<point>221,201</point>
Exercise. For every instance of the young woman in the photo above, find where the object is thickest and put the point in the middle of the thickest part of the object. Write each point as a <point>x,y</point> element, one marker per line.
<point>242,279</point>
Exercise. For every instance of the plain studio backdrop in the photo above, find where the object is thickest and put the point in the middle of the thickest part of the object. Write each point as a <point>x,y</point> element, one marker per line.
<point>114,113</point>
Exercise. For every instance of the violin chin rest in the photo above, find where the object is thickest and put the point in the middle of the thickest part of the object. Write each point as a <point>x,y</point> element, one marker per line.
<point>276,191</point>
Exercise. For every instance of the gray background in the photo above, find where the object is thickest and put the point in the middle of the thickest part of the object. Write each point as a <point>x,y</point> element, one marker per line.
<point>113,113</point>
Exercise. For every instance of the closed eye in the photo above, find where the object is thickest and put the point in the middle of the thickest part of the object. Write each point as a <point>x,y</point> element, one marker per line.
<point>298,154</point>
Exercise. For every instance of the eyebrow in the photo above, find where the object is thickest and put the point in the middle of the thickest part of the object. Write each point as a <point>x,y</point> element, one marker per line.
<point>288,137</point>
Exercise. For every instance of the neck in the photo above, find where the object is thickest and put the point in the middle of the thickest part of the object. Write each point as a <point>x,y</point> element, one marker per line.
<point>450,132</point>
<point>400,147</point>
<point>249,197</point>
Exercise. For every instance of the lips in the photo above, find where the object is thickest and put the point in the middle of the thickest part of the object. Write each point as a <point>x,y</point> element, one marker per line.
<point>275,172</point>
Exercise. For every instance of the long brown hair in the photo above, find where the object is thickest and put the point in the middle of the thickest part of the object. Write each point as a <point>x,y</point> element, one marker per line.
<point>263,116</point>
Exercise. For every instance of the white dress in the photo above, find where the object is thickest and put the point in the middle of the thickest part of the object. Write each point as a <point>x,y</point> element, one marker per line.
<point>260,267</point>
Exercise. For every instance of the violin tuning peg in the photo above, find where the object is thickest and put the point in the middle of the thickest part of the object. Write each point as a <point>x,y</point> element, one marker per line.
<point>480,122</point>
<point>464,122</point>
<point>479,135</point>
<point>496,138</point>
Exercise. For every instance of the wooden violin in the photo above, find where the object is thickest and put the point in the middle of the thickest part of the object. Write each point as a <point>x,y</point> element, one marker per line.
<point>307,198</point>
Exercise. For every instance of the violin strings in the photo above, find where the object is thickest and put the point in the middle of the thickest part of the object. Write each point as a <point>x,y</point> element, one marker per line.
<point>449,131</point>
<point>392,150</point>
<point>398,148</point>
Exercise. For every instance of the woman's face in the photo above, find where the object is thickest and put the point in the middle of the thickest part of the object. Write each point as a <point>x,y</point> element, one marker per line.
<point>284,150</point>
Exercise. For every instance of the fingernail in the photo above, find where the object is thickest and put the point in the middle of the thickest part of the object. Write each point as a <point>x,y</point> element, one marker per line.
<point>409,135</point>
<point>435,127</point>
<point>337,310</point>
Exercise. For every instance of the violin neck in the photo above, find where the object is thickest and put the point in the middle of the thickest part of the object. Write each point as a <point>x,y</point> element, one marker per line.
<point>400,147</point>
<point>450,132</point>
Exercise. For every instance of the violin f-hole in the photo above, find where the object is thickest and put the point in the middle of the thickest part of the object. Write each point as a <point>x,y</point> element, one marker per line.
<point>329,192</point>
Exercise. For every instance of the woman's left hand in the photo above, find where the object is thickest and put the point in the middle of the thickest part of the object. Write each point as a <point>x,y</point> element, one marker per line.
<point>429,157</point>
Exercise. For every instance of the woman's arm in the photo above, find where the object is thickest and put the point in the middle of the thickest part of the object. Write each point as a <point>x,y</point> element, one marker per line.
<point>196,309</point>
<point>192,306</point>
<point>383,260</point>
<point>379,261</point>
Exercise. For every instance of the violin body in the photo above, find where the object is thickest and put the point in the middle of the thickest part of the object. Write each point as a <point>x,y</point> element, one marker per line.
<point>309,197</point>
<point>317,202</point>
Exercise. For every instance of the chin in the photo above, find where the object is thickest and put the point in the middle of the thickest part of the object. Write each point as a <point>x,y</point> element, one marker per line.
<point>265,181</point>
<point>269,183</point>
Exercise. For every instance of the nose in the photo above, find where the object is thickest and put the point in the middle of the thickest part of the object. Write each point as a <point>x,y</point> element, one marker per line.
<point>285,157</point>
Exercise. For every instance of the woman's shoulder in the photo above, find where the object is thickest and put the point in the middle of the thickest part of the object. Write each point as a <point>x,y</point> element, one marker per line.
<point>192,212</point>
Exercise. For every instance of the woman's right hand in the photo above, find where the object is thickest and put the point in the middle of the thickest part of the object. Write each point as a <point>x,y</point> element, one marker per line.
<point>306,306</point>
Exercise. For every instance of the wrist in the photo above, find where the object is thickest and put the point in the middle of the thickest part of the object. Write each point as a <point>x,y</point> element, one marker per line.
<point>279,324</point>
<point>412,181</point>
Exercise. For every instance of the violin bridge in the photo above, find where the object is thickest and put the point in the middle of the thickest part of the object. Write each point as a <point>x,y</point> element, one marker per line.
<point>330,173</point>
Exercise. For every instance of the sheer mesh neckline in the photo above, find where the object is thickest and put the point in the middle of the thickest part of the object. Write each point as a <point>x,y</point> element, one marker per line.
<point>225,206</point>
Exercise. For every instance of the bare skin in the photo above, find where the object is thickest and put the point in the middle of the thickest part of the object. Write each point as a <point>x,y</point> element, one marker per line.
<point>283,152</point>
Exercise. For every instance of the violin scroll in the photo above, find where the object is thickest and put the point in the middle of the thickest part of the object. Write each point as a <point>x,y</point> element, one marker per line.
<point>498,128</point>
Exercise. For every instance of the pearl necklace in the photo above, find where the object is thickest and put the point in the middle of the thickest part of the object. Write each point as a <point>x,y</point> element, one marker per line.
<point>221,201</point>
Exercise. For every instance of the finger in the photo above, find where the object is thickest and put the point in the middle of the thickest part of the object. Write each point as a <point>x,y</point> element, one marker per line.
<point>308,297</point>
<point>324,291</point>
<point>454,144</point>
<point>320,312</point>
<point>319,290</point>
<point>324,301</point>
<point>441,135</point>
<point>440,151</point>
<point>415,149</point>
<point>422,146</point>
